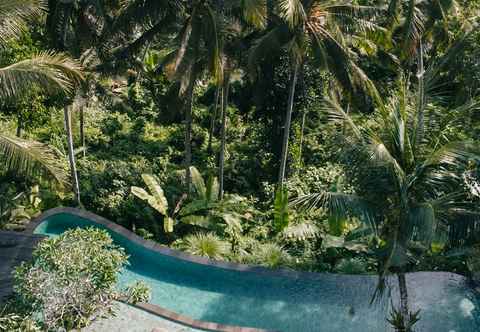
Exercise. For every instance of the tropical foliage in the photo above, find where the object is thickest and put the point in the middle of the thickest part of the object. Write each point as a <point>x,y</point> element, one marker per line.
<point>337,136</point>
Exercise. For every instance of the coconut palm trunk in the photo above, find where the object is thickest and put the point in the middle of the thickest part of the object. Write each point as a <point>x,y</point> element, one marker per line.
<point>71,154</point>
<point>213,118</point>
<point>224,105</point>
<point>402,286</point>
<point>82,130</point>
<point>288,121</point>
<point>188,133</point>
<point>421,97</point>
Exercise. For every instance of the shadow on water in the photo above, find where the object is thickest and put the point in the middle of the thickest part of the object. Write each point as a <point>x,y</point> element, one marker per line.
<point>330,303</point>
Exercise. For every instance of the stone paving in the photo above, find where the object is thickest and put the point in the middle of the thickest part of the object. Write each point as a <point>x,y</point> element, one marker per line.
<point>131,319</point>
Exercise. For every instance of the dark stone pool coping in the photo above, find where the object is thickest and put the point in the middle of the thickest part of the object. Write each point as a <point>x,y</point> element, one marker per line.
<point>155,309</point>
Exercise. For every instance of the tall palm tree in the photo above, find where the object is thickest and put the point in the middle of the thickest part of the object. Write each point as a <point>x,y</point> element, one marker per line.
<point>49,71</point>
<point>317,28</point>
<point>197,50</point>
<point>238,19</point>
<point>407,189</point>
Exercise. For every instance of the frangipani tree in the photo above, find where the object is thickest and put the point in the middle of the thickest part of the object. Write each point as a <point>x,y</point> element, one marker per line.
<point>49,71</point>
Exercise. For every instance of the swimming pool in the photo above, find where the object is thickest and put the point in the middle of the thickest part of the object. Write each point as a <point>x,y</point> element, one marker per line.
<point>281,302</point>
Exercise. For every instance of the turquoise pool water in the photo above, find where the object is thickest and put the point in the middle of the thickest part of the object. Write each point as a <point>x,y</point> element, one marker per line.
<point>330,303</point>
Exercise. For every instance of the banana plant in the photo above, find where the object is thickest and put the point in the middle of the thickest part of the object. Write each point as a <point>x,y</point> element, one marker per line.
<point>205,198</point>
<point>156,199</point>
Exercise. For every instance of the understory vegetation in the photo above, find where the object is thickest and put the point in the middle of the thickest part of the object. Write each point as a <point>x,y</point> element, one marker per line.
<point>310,135</point>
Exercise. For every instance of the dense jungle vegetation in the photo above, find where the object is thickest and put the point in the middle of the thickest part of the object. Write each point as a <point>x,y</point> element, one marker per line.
<point>338,136</point>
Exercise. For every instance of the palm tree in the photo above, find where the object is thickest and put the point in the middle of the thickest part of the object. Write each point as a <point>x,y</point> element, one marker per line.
<point>317,28</point>
<point>198,50</point>
<point>72,24</point>
<point>407,189</point>
<point>49,71</point>
<point>238,20</point>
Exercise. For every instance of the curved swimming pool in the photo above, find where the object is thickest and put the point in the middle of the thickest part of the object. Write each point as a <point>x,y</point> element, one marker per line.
<point>302,302</point>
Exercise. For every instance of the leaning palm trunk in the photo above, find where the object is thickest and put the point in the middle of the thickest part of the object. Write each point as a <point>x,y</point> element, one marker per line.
<point>213,119</point>
<point>71,155</point>
<point>288,121</point>
<point>223,134</point>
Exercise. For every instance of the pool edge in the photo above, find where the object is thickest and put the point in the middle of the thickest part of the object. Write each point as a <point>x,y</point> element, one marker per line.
<point>164,250</point>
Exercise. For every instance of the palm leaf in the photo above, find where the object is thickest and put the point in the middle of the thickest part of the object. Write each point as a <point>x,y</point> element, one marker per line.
<point>413,29</point>
<point>340,205</point>
<point>255,12</point>
<point>51,72</point>
<point>292,11</point>
<point>32,158</point>
<point>14,15</point>
<point>198,183</point>
<point>266,46</point>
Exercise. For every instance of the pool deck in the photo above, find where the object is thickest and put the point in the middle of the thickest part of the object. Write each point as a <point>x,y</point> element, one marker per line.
<point>132,319</point>
<point>15,248</point>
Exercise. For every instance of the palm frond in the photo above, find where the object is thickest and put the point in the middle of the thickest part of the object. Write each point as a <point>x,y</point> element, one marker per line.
<point>32,158</point>
<point>198,183</point>
<point>255,12</point>
<point>266,46</point>
<point>340,205</point>
<point>51,72</point>
<point>413,29</point>
<point>332,108</point>
<point>292,12</point>
<point>14,15</point>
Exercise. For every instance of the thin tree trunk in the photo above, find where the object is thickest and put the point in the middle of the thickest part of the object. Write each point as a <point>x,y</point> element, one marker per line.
<point>421,98</point>
<point>188,134</point>
<point>71,155</point>
<point>402,285</point>
<point>302,131</point>
<point>19,126</point>
<point>213,118</point>
<point>223,134</point>
<point>82,130</point>
<point>288,121</point>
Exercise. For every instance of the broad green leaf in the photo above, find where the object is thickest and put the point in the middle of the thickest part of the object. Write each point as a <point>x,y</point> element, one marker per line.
<point>195,207</point>
<point>200,221</point>
<point>198,183</point>
<point>153,185</point>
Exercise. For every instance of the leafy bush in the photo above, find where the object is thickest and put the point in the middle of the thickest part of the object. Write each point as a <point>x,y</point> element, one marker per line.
<point>138,292</point>
<point>12,322</point>
<point>71,278</point>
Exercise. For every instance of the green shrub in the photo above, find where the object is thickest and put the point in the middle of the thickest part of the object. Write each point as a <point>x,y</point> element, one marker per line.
<point>12,322</point>
<point>207,245</point>
<point>271,255</point>
<point>72,278</point>
<point>137,292</point>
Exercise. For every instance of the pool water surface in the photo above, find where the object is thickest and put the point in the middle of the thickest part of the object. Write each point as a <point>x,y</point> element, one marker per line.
<point>328,303</point>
